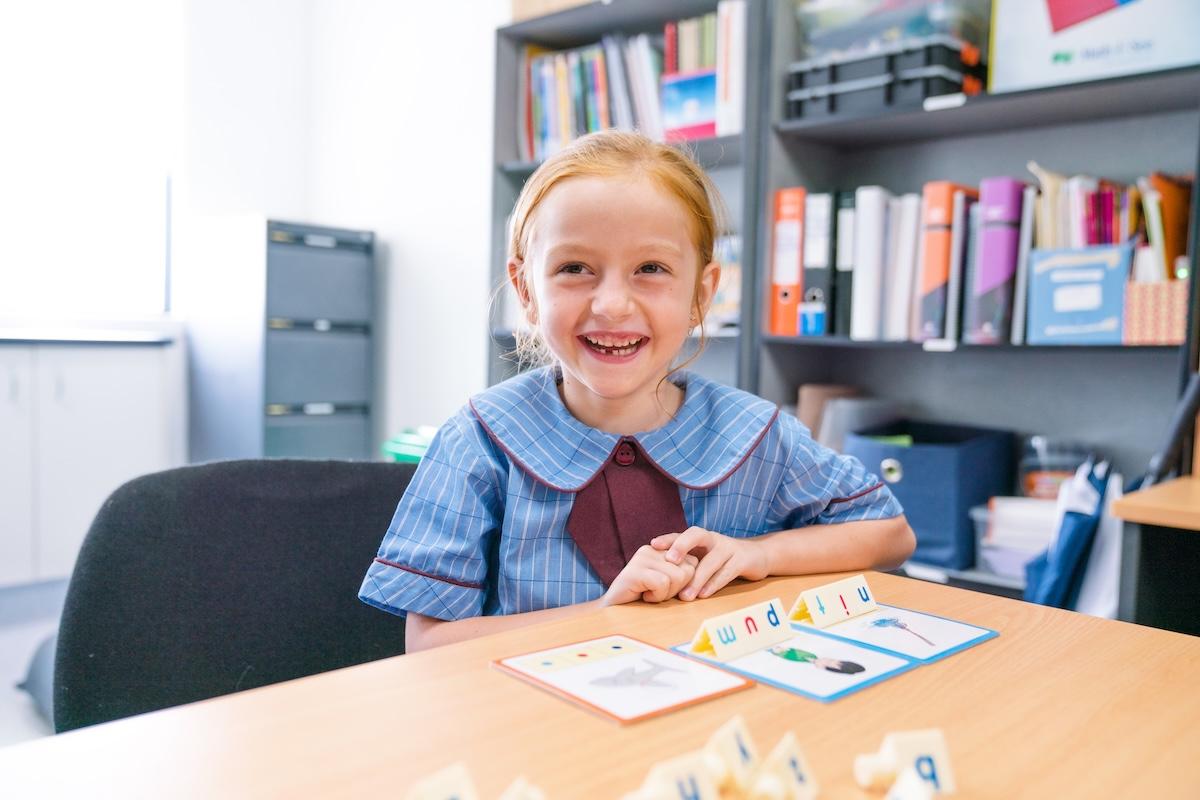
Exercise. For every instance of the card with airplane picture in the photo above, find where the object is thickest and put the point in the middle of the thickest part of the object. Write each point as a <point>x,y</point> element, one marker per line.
<point>622,678</point>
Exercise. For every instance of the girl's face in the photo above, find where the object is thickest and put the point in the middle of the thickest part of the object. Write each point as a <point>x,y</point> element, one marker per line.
<point>612,269</point>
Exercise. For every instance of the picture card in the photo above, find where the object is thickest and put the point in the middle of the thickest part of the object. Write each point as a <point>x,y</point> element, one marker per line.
<point>820,667</point>
<point>913,634</point>
<point>622,678</point>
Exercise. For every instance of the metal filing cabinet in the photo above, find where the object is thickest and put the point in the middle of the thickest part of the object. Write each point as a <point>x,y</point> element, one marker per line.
<point>280,322</point>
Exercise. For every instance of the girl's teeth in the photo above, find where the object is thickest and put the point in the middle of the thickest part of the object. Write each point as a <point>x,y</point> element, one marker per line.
<point>623,350</point>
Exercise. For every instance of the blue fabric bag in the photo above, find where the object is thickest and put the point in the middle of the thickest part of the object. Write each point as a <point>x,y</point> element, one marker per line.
<point>1055,577</point>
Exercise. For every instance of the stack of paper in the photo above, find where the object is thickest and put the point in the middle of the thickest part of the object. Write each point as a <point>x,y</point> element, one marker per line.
<point>1014,530</point>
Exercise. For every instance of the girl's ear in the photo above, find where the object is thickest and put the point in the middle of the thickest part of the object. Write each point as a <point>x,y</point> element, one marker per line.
<point>516,276</point>
<point>710,278</point>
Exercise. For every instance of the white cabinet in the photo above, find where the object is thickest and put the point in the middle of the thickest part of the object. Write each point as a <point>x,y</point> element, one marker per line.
<point>16,465</point>
<point>76,421</point>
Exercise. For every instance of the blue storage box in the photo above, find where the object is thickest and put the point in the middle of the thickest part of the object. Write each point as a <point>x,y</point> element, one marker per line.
<point>938,478</point>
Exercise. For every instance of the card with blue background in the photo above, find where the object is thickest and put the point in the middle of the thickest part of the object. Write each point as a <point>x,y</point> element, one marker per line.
<point>812,665</point>
<point>925,638</point>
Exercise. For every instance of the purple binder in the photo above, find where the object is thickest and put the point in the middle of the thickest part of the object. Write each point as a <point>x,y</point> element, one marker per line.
<point>990,296</point>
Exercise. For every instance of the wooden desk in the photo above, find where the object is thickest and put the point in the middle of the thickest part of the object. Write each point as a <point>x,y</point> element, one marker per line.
<point>1060,705</point>
<point>1174,504</point>
<point>1161,555</point>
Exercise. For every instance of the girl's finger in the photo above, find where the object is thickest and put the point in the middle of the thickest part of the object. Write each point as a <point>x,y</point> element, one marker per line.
<point>719,580</point>
<point>708,566</point>
<point>664,541</point>
<point>656,584</point>
<point>687,541</point>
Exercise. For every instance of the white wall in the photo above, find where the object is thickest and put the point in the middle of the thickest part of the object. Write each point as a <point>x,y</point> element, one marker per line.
<point>369,114</point>
<point>247,90</point>
<point>401,126</point>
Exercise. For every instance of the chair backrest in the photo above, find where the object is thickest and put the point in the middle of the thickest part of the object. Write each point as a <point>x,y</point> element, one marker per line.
<point>204,580</point>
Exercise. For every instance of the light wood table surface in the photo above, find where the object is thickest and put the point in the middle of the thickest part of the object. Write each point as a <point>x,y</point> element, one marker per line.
<point>1173,504</point>
<point>1059,705</point>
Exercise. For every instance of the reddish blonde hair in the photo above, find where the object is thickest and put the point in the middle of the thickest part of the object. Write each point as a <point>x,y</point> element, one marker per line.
<point>621,154</point>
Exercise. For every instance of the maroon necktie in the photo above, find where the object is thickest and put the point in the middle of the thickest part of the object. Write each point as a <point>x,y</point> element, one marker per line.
<point>625,506</point>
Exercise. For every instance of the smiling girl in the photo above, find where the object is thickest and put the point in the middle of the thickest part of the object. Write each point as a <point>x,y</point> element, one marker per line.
<point>610,475</point>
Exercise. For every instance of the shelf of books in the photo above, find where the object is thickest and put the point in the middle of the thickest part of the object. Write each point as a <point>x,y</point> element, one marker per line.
<point>958,114</point>
<point>674,70</point>
<point>714,152</point>
<point>981,235</point>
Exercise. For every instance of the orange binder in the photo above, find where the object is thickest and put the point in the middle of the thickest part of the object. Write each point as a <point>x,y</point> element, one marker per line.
<point>929,313</point>
<point>787,263</point>
<point>1175,198</point>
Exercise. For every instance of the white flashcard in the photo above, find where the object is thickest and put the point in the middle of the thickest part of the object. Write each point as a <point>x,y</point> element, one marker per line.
<point>623,678</point>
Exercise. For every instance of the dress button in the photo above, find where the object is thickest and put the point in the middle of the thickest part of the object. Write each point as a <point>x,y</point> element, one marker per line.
<point>625,454</point>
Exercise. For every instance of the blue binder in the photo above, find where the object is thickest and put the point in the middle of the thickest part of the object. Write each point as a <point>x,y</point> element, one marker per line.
<point>1078,296</point>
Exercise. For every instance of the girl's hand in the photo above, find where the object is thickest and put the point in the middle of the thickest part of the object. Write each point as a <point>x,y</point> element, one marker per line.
<point>722,558</point>
<point>651,577</point>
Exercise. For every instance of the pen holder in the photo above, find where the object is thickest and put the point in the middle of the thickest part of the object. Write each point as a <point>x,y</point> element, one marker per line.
<point>1156,313</point>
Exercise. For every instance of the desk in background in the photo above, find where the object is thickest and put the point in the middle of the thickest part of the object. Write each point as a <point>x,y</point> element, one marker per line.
<point>1060,705</point>
<point>1161,555</point>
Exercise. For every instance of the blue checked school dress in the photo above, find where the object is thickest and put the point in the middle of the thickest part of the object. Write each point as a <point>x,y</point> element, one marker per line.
<point>487,525</point>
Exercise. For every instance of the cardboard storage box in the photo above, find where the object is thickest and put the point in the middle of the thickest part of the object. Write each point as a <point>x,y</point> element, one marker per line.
<point>527,9</point>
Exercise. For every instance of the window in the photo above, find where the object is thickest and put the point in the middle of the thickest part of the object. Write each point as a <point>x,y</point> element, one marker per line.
<point>91,97</point>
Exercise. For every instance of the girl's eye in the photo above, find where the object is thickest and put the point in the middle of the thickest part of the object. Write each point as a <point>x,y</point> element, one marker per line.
<point>571,269</point>
<point>650,269</point>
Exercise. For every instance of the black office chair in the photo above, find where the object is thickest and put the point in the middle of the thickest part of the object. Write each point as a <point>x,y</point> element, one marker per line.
<point>205,580</point>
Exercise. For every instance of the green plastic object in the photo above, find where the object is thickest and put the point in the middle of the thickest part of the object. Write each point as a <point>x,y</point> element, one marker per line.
<point>409,445</point>
<point>896,440</point>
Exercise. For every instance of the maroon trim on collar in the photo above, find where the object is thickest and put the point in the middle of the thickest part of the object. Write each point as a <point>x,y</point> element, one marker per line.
<point>868,490</point>
<point>526,468</point>
<point>415,571</point>
<point>757,440</point>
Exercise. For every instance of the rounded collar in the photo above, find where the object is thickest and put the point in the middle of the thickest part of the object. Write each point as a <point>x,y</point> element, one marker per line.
<point>714,431</point>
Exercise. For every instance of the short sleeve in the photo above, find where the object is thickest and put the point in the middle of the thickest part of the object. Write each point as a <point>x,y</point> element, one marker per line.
<point>434,557</point>
<point>823,487</point>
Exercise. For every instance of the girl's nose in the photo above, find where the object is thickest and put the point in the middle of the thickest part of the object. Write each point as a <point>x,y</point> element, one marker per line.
<point>612,299</point>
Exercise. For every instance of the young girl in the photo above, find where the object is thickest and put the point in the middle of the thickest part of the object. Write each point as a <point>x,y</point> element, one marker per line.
<point>609,476</point>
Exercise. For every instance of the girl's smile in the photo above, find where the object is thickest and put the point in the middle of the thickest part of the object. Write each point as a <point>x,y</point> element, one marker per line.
<point>615,284</point>
<point>614,348</point>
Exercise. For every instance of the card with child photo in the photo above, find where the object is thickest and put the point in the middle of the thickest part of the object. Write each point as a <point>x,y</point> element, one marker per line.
<point>815,666</point>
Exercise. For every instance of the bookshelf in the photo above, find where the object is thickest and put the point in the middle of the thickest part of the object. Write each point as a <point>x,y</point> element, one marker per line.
<point>1116,399</point>
<point>732,161</point>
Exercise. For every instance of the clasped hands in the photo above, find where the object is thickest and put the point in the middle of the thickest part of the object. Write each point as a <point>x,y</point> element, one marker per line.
<point>688,565</point>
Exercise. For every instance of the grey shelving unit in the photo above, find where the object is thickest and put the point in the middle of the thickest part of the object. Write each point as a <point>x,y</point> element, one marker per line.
<point>732,161</point>
<point>280,321</point>
<point>1117,399</point>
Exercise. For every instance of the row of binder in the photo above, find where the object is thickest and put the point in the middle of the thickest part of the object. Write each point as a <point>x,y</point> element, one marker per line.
<point>953,262</point>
